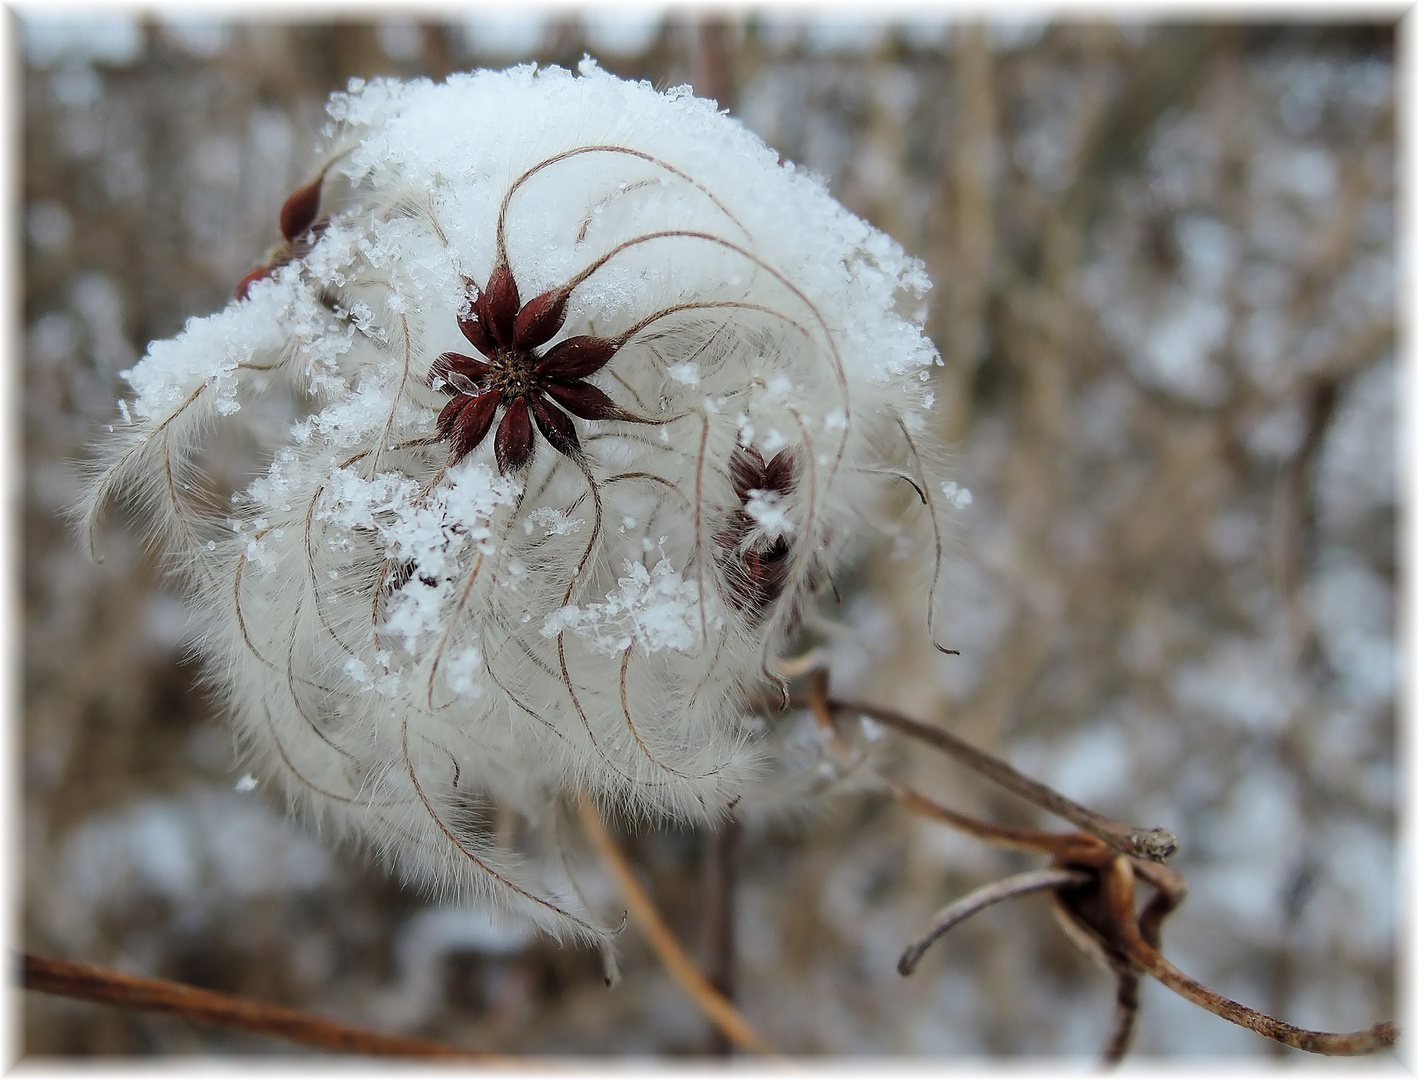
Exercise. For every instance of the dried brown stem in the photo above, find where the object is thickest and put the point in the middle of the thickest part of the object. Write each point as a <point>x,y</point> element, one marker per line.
<point>982,898</point>
<point>1372,1040</point>
<point>1125,1017</point>
<point>1119,888</point>
<point>712,59</point>
<point>717,942</point>
<point>1381,1036</point>
<point>1155,845</point>
<point>1008,836</point>
<point>677,963</point>
<point>49,975</point>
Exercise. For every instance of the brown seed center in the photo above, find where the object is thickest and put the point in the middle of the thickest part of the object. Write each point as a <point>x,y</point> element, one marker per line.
<point>513,374</point>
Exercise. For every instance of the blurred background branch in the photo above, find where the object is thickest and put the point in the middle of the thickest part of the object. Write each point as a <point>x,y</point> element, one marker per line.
<point>47,975</point>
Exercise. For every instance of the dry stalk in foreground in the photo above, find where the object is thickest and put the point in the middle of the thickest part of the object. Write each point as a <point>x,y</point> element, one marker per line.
<point>1092,880</point>
<point>49,975</point>
<point>681,968</point>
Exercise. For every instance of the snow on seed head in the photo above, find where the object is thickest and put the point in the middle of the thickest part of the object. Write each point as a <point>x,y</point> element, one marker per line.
<point>593,397</point>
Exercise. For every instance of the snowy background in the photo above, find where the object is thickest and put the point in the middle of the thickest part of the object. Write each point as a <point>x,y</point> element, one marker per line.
<point>1165,275</point>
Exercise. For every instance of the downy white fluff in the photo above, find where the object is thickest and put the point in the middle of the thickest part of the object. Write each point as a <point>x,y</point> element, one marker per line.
<point>412,630</point>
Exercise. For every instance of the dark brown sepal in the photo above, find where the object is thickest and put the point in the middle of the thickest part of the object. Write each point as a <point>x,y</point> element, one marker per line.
<point>556,427</point>
<point>472,326</point>
<point>513,444</point>
<point>539,320</point>
<point>584,400</point>
<point>448,419</point>
<point>473,423</point>
<point>576,358</point>
<point>497,307</point>
<point>755,579</point>
<point>450,362</point>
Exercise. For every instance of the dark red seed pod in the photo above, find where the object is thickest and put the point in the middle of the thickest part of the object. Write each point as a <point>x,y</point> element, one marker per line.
<point>513,444</point>
<point>473,423</point>
<point>576,358</point>
<point>497,307</point>
<point>245,284</point>
<point>300,209</point>
<point>584,400</point>
<point>781,474</point>
<point>740,526</point>
<point>450,362</point>
<point>556,427</point>
<point>539,320</point>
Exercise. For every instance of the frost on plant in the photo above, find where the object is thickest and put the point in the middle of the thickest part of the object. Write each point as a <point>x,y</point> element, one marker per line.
<point>591,396</point>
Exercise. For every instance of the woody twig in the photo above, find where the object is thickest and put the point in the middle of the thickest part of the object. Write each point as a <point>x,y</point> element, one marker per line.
<point>1155,845</point>
<point>677,962</point>
<point>49,975</point>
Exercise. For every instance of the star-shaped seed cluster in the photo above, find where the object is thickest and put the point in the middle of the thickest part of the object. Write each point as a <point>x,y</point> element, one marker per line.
<point>510,374</point>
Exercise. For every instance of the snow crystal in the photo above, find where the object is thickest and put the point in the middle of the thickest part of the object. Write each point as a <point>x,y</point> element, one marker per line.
<point>427,532</point>
<point>557,522</point>
<point>956,495</point>
<point>463,673</point>
<point>767,509</point>
<point>372,679</point>
<point>654,609</point>
<point>687,373</point>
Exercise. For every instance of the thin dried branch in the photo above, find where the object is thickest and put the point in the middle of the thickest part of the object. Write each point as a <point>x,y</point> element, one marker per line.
<point>721,865</point>
<point>681,968</point>
<point>1125,1017</point>
<point>1070,846</point>
<point>1155,845</point>
<point>982,898</point>
<point>1119,889</point>
<point>49,975</point>
<point>1372,1040</point>
<point>1065,847</point>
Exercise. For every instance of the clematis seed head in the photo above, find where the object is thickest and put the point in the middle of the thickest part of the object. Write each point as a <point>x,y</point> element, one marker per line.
<point>516,550</point>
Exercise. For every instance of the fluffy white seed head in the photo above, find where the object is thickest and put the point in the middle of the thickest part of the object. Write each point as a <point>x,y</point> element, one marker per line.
<point>412,630</point>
